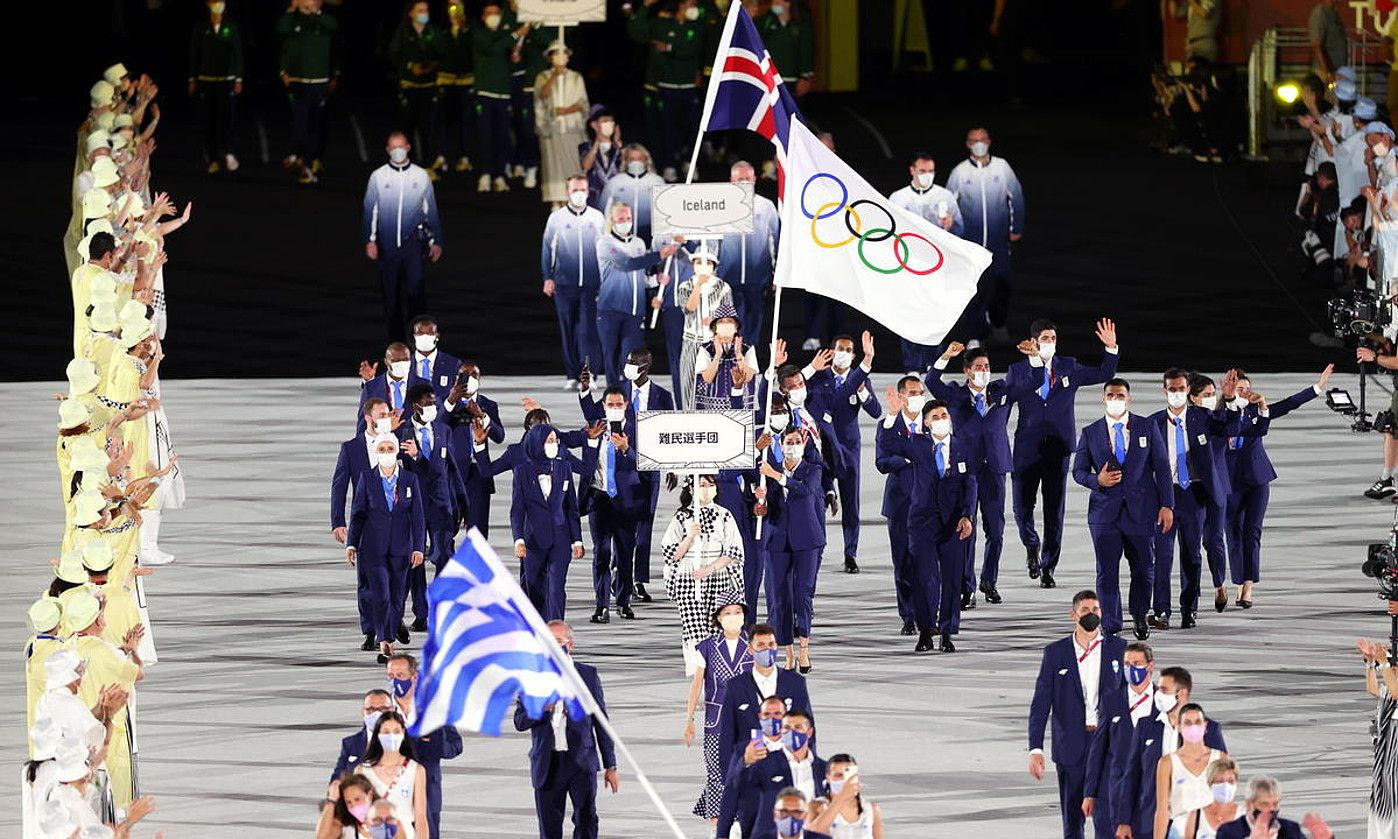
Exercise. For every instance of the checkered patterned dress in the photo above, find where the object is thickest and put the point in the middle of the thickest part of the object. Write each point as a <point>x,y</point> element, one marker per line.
<point>718,537</point>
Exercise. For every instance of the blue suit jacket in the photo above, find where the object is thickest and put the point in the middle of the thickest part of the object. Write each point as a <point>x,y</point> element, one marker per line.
<point>1133,800</point>
<point>742,702</point>
<point>795,517</point>
<point>445,369</point>
<point>991,429</point>
<point>631,497</point>
<point>1201,429</point>
<point>818,411</point>
<point>1287,829</point>
<point>1110,745</point>
<point>586,739</point>
<point>898,486</point>
<point>353,459</point>
<point>380,388</point>
<point>429,750</point>
<point>1045,428</point>
<point>1249,465</point>
<point>759,786</point>
<point>844,405</point>
<point>444,492</point>
<point>1146,485</point>
<point>938,501</point>
<point>377,531</point>
<point>1058,693</point>
<point>463,441</point>
<point>534,518</point>
<point>657,399</point>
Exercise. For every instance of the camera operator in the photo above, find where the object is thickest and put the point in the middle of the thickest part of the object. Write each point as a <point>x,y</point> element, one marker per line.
<point>1383,355</point>
<point>1381,681</point>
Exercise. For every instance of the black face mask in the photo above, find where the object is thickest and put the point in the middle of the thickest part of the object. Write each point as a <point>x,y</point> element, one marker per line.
<point>1089,622</point>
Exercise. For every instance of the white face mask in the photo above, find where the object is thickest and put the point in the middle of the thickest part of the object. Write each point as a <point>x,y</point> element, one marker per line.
<point>551,450</point>
<point>632,372</point>
<point>1046,351</point>
<point>606,128</point>
<point>1176,398</point>
<point>1209,403</point>
<point>383,425</point>
<point>1116,407</point>
<point>473,384</point>
<point>924,179</point>
<point>425,343</point>
<point>578,198</point>
<point>371,719</point>
<point>725,330</point>
<point>428,413</point>
<point>980,378</point>
<point>706,495</point>
<point>703,269</point>
<point>390,742</point>
<point>398,154</point>
<point>796,397</point>
<point>980,149</point>
<point>779,422</point>
<point>1381,150</point>
<point>492,21</point>
<point>387,459</point>
<point>615,414</point>
<point>1224,792</point>
<point>843,359</point>
<point>622,228</point>
<point>1240,401</point>
<point>939,427</point>
<point>636,167</point>
<point>398,369</point>
<point>731,623</point>
<point>1165,702</point>
<point>915,403</point>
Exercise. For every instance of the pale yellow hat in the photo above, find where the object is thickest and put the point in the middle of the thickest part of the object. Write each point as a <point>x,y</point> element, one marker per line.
<point>85,455</point>
<point>82,376</point>
<point>70,567</point>
<point>103,317</point>
<point>104,172</point>
<point>81,611</point>
<point>87,508</point>
<point>105,121</point>
<point>132,311</point>
<point>121,121</point>
<point>96,203</point>
<point>45,614</point>
<point>138,204</point>
<point>72,413</point>
<point>98,139</point>
<point>98,555</point>
<point>101,94</point>
<point>134,332</point>
<point>114,74</point>
<point>119,141</point>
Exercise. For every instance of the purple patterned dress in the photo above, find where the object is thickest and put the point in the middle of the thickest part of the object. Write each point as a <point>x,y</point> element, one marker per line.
<point>719,667</point>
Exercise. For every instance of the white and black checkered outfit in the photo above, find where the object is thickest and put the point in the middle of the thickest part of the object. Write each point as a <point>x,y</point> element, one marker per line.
<point>1383,796</point>
<point>718,537</point>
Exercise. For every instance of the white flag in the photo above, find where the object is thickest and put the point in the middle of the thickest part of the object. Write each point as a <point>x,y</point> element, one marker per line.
<point>843,239</point>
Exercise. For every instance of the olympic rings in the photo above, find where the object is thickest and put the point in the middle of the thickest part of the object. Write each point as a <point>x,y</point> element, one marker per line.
<point>902,250</point>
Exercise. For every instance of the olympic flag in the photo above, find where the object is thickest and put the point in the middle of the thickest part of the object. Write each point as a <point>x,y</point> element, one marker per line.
<point>842,239</point>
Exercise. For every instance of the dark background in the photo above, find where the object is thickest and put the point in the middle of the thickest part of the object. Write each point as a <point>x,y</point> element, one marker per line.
<point>1197,263</point>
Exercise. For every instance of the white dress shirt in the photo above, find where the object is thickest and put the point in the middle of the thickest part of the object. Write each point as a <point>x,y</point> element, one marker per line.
<point>732,647</point>
<point>1169,737</point>
<point>803,773</point>
<point>1171,439</point>
<point>546,485</point>
<point>766,685</point>
<point>559,721</point>
<point>1090,675</point>
<point>1140,704</point>
<point>371,445</point>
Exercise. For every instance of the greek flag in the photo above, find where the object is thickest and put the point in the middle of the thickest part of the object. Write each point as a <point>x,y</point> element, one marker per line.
<point>487,645</point>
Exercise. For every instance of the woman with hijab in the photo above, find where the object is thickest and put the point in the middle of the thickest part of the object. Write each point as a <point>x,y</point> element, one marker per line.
<point>703,552</point>
<point>544,521</point>
<point>724,655</point>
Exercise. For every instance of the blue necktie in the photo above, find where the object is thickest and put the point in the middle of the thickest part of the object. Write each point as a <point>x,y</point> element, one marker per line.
<point>980,403</point>
<point>1181,454</point>
<point>424,436</point>
<point>1120,443</point>
<point>636,400</point>
<point>796,417</point>
<point>941,460</point>
<point>397,395</point>
<point>1235,443</point>
<point>390,486</point>
<point>1044,388</point>
<point>426,370</point>
<point>839,380</point>
<point>611,469</point>
<point>777,449</point>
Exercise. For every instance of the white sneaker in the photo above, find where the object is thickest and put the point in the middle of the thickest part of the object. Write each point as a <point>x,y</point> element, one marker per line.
<point>483,185</point>
<point>669,175</point>
<point>230,162</point>
<point>810,344</point>
<point>155,556</point>
<point>501,186</point>
<point>570,384</point>
<point>531,177</point>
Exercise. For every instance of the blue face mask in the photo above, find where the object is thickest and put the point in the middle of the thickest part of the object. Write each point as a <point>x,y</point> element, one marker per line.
<point>795,741</point>
<point>383,831</point>
<point>790,825</point>
<point>1136,675</point>
<point>772,727</point>
<point>765,658</point>
<point>422,18</point>
<point>401,687</point>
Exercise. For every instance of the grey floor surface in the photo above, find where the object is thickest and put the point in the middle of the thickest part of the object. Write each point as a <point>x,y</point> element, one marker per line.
<point>260,672</point>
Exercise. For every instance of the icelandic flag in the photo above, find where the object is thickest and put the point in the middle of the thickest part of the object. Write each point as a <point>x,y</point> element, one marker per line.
<point>487,645</point>
<point>746,90</point>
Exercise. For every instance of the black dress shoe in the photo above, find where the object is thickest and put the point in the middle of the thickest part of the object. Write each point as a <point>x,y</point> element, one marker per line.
<point>1032,560</point>
<point>1187,621</point>
<point>924,643</point>
<point>1246,604</point>
<point>909,628</point>
<point>641,594</point>
<point>625,612</point>
<point>805,669</point>
<point>383,659</point>
<point>600,616</point>
<point>1142,630</point>
<point>947,645</point>
<point>419,625</point>
<point>368,645</point>
<point>1220,599</point>
<point>1046,579</point>
<point>851,567</point>
<point>1158,621</point>
<point>403,636</point>
<point>992,595</point>
<point>968,601</point>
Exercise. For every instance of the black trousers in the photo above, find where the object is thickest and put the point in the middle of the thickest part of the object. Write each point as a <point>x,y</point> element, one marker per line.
<point>417,111</point>
<point>455,123</point>
<point>308,118</point>
<point>216,109</point>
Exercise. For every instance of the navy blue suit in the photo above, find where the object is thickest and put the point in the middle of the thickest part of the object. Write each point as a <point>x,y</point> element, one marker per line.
<point>1202,436</point>
<point>381,387</point>
<point>479,486</point>
<point>897,494</point>
<point>985,418</point>
<point>1107,754</point>
<point>742,702</point>
<point>845,405</point>
<point>444,500</point>
<point>760,783</point>
<point>613,516</point>
<point>1240,829</point>
<point>793,537</point>
<point>444,370</point>
<point>429,750</point>
<point>1251,474</point>
<point>939,500</point>
<point>1133,800</point>
<point>1123,518</point>
<point>570,774</point>
<point>548,526</point>
<point>385,541</point>
<point>657,398</point>
<point>1044,436</point>
<point>1058,698</point>
<point>352,461</point>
